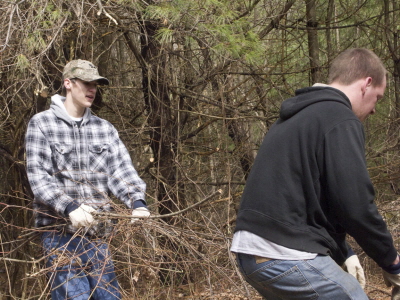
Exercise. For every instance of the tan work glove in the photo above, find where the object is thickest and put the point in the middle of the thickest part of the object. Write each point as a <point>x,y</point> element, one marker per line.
<point>392,280</point>
<point>140,213</point>
<point>82,217</point>
<point>352,266</point>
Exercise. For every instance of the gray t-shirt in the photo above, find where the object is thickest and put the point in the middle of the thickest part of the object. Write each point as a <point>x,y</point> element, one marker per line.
<point>249,243</point>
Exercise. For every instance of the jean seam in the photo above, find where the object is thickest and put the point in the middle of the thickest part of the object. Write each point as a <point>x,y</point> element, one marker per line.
<point>329,279</point>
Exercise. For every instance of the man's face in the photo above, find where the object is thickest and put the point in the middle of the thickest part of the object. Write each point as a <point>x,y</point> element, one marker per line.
<point>82,92</point>
<point>369,98</point>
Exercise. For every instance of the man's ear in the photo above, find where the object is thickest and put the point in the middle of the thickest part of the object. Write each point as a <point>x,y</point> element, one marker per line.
<point>366,83</point>
<point>67,83</point>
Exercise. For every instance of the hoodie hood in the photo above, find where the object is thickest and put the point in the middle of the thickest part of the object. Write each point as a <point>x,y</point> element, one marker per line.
<point>58,108</point>
<point>309,96</point>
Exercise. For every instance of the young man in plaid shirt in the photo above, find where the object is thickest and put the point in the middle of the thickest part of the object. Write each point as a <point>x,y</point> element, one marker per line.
<point>74,159</point>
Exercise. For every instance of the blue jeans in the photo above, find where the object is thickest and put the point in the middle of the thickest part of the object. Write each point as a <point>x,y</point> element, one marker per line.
<point>320,278</point>
<point>81,268</point>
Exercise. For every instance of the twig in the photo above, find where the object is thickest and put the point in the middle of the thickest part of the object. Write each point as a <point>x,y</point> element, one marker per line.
<point>10,25</point>
<point>102,10</point>
<point>22,260</point>
<point>111,215</point>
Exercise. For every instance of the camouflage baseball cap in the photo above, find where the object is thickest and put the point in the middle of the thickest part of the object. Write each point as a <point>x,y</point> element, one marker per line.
<point>84,70</point>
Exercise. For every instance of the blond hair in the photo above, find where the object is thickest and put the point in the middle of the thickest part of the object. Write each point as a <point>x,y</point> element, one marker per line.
<point>357,63</point>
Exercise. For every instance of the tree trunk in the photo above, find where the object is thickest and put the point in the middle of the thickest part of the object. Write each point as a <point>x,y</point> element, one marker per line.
<point>313,45</point>
<point>162,121</point>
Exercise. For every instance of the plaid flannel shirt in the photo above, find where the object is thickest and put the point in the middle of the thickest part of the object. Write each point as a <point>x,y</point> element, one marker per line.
<point>70,164</point>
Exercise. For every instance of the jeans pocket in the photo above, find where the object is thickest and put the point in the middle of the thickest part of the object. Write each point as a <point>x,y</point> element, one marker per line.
<point>285,279</point>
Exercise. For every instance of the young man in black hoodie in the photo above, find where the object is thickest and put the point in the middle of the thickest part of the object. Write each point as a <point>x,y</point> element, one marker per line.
<point>309,187</point>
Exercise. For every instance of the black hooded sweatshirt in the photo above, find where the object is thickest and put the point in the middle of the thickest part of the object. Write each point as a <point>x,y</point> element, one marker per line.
<point>309,184</point>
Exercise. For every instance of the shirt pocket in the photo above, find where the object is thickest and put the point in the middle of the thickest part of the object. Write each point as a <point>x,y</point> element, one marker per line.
<point>63,156</point>
<point>98,154</point>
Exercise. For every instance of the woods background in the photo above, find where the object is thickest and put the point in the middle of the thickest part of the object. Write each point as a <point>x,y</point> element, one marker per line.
<point>195,85</point>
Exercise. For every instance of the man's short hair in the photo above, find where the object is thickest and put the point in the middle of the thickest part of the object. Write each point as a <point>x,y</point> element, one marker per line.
<point>354,64</point>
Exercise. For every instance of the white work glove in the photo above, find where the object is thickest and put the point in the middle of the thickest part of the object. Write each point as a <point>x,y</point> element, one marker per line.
<point>353,267</point>
<point>140,213</point>
<point>392,280</point>
<point>82,217</point>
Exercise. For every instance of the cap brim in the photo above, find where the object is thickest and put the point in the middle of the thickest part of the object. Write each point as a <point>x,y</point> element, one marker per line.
<point>100,80</point>
<point>103,81</point>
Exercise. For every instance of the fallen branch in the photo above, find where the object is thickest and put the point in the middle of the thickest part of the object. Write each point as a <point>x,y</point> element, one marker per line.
<point>112,215</point>
<point>102,10</point>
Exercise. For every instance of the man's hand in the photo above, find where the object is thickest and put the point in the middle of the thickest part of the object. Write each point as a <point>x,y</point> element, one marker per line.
<point>82,216</point>
<point>392,280</point>
<point>352,266</point>
<point>140,213</point>
<point>391,276</point>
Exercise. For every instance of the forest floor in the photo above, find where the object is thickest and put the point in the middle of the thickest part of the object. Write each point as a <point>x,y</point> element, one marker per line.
<point>225,289</point>
<point>374,292</point>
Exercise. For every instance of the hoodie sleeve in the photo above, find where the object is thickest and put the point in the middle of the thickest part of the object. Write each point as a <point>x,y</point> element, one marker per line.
<point>124,181</point>
<point>40,170</point>
<point>350,192</point>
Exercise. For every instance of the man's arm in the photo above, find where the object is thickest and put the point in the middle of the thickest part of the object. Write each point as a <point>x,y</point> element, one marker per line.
<point>40,171</point>
<point>350,193</point>
<point>124,181</point>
